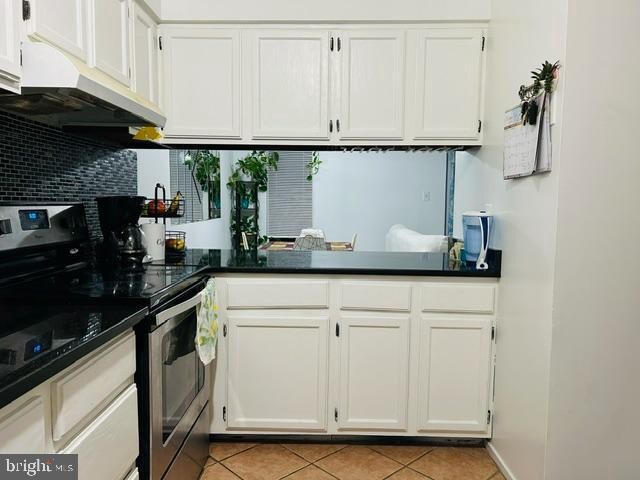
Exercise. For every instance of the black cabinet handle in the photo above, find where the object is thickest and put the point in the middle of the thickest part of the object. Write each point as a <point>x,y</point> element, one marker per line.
<point>337,125</point>
<point>339,43</point>
<point>331,44</point>
<point>330,126</point>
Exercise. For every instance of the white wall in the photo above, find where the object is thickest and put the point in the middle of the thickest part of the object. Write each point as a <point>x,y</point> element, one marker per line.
<point>594,406</point>
<point>328,10</point>
<point>522,35</point>
<point>153,167</point>
<point>366,193</point>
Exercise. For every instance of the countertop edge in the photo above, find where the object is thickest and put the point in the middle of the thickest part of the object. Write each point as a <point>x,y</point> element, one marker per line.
<point>353,271</point>
<point>30,381</point>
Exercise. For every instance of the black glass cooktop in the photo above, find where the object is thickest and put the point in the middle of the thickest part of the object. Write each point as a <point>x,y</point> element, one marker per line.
<point>38,340</point>
<point>148,285</point>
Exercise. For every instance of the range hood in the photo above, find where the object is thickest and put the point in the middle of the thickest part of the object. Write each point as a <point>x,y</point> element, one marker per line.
<point>60,90</point>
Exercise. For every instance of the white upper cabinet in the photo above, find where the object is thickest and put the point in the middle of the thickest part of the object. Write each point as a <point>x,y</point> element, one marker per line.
<point>372,76</point>
<point>445,91</point>
<point>111,38</point>
<point>10,15</point>
<point>289,80</point>
<point>62,23</point>
<point>374,370</point>
<point>454,374</point>
<point>277,371</point>
<point>145,54</point>
<point>202,82</point>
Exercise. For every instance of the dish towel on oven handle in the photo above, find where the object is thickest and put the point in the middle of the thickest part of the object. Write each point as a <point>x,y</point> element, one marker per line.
<point>207,323</point>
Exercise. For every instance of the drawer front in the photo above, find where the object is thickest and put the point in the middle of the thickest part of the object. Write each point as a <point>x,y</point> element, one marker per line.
<point>385,296</point>
<point>22,430</point>
<point>274,293</point>
<point>78,394</point>
<point>458,298</point>
<point>108,447</point>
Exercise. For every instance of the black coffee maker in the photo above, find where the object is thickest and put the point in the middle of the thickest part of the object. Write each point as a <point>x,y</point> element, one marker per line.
<point>123,241</point>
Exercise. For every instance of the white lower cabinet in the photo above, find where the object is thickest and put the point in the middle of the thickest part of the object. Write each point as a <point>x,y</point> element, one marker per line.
<point>108,447</point>
<point>454,374</point>
<point>374,370</point>
<point>86,410</point>
<point>23,428</point>
<point>382,358</point>
<point>277,371</point>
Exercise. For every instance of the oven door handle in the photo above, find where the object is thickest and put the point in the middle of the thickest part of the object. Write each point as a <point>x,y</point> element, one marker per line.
<point>178,309</point>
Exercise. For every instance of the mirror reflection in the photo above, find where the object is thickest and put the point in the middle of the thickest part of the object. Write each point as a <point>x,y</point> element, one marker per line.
<point>307,200</point>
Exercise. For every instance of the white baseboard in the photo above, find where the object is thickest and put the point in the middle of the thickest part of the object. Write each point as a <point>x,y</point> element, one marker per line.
<point>493,453</point>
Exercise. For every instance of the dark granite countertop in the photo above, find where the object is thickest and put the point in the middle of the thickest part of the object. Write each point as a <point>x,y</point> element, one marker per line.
<point>341,263</point>
<point>38,341</point>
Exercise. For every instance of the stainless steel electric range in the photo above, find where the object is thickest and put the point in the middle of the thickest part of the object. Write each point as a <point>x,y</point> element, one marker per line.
<point>46,254</point>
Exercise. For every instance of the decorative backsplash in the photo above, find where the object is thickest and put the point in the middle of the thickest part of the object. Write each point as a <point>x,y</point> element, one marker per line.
<point>43,164</point>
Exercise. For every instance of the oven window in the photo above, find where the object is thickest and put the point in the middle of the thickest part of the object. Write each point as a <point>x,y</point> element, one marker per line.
<point>182,373</point>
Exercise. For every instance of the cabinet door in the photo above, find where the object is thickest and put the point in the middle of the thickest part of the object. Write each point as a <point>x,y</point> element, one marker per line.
<point>372,84</point>
<point>277,371</point>
<point>145,54</point>
<point>374,369</point>
<point>454,374</point>
<point>290,84</point>
<point>62,23</point>
<point>448,82</point>
<point>10,43</point>
<point>22,430</point>
<point>111,30</point>
<point>108,447</point>
<point>202,82</point>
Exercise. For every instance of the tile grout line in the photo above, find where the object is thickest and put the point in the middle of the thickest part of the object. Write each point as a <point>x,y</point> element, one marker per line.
<point>322,469</point>
<point>317,460</point>
<point>407,465</point>
<point>237,453</point>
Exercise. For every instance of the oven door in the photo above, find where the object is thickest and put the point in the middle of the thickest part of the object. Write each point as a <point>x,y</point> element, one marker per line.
<point>179,387</point>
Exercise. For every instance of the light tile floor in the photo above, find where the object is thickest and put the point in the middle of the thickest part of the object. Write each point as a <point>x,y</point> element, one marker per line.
<point>271,461</point>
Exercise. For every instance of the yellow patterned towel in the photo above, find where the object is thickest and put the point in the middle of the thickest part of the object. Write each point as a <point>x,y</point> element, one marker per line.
<point>207,328</point>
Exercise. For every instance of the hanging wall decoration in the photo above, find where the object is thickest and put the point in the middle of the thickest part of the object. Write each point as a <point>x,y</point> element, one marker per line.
<point>527,126</point>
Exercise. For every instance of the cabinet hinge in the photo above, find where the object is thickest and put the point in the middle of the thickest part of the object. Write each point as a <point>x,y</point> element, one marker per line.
<point>479,126</point>
<point>483,41</point>
<point>337,329</point>
<point>493,333</point>
<point>224,414</point>
<point>224,330</point>
<point>160,42</point>
<point>335,414</point>
<point>488,417</point>
<point>26,9</point>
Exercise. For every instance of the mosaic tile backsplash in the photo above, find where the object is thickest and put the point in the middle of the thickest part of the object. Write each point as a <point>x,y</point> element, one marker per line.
<point>43,164</point>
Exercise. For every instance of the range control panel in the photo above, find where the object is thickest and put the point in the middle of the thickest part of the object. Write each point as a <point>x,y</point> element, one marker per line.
<point>31,225</point>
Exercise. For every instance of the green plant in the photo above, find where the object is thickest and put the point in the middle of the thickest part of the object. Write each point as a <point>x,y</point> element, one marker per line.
<point>205,168</point>
<point>543,78</point>
<point>256,166</point>
<point>313,166</point>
